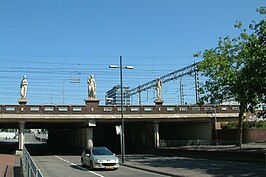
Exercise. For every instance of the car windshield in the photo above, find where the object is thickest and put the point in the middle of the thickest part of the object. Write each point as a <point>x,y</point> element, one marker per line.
<point>101,151</point>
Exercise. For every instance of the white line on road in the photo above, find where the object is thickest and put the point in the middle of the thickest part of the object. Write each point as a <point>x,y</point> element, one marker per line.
<point>78,166</point>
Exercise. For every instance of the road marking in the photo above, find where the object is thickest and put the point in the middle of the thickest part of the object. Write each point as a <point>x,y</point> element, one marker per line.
<point>73,164</point>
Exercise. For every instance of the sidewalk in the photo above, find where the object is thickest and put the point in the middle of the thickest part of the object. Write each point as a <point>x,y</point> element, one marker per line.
<point>10,166</point>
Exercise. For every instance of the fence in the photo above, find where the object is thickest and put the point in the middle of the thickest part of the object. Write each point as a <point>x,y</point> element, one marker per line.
<point>205,144</point>
<point>29,167</point>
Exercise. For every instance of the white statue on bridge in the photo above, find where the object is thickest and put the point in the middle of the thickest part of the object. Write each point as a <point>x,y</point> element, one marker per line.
<point>91,88</point>
<point>158,89</point>
<point>23,88</point>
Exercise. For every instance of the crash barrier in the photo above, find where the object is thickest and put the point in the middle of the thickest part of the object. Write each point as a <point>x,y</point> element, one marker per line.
<point>29,167</point>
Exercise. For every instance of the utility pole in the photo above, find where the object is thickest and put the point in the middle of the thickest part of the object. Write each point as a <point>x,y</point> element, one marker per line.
<point>182,99</point>
<point>122,107</point>
<point>197,83</point>
<point>139,96</point>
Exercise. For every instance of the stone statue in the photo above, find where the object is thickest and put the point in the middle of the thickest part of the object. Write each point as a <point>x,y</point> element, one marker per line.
<point>158,89</point>
<point>23,87</point>
<point>91,88</point>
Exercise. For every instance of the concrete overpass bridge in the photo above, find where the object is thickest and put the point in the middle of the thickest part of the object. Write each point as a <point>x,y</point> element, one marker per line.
<point>145,125</point>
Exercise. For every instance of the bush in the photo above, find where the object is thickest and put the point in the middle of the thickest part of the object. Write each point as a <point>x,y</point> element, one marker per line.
<point>246,125</point>
<point>255,124</point>
<point>229,125</point>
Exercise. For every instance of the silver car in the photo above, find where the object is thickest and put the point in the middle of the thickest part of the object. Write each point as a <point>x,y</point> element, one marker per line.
<point>99,158</point>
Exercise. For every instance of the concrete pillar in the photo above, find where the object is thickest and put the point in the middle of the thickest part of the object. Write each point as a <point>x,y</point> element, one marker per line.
<point>89,133</point>
<point>21,135</point>
<point>83,143</point>
<point>80,134</point>
<point>89,137</point>
<point>72,140</point>
<point>76,136</point>
<point>156,135</point>
<point>67,138</point>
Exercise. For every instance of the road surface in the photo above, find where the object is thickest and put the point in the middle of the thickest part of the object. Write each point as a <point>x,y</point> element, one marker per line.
<point>54,162</point>
<point>70,166</point>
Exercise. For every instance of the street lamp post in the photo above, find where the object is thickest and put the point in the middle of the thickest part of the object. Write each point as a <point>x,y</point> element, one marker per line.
<point>122,107</point>
<point>215,126</point>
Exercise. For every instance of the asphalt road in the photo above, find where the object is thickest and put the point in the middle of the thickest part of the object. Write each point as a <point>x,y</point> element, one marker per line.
<point>199,167</point>
<point>70,166</point>
<point>56,163</point>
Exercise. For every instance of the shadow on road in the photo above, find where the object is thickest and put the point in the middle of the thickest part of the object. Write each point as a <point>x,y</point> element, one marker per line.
<point>187,166</point>
<point>44,149</point>
<point>8,147</point>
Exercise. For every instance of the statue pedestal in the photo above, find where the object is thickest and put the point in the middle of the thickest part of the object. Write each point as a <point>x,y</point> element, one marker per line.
<point>158,102</point>
<point>92,102</point>
<point>22,101</point>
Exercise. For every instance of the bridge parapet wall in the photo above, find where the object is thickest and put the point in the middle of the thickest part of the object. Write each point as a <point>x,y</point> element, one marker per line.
<point>104,109</point>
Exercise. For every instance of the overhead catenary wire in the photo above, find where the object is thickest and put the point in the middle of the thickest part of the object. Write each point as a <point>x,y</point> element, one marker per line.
<point>46,76</point>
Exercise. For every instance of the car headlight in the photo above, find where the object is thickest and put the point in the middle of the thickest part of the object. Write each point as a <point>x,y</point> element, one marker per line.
<point>98,161</point>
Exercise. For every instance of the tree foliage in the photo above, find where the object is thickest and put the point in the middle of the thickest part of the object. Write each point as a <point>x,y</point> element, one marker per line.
<point>236,68</point>
<point>254,69</point>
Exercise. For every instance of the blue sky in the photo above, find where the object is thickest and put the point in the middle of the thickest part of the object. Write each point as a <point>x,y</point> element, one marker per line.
<point>51,41</point>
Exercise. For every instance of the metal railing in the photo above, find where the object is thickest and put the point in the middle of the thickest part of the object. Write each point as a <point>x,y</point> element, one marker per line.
<point>205,144</point>
<point>29,167</point>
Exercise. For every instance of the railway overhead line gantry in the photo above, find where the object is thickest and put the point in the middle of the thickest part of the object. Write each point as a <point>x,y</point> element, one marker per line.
<point>188,70</point>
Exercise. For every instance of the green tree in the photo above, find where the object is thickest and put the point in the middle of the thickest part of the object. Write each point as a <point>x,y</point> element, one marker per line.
<point>236,68</point>
<point>254,69</point>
